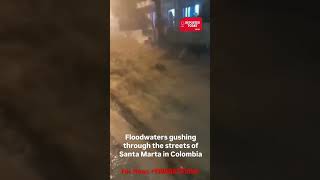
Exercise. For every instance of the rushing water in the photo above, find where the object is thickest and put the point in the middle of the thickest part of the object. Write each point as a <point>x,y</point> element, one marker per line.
<point>153,92</point>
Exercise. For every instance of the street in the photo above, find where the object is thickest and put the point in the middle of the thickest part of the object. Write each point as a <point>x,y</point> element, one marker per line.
<point>156,91</point>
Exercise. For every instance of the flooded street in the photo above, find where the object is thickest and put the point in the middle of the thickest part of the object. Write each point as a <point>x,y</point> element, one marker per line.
<point>153,91</point>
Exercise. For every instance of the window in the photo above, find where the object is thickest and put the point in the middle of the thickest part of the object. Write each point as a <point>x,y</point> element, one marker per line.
<point>186,11</point>
<point>172,11</point>
<point>197,9</point>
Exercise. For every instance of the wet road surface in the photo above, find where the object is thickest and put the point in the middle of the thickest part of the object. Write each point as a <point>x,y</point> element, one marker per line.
<point>155,92</point>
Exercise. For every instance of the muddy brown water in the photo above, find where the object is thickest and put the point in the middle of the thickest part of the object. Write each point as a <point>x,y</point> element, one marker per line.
<point>154,93</point>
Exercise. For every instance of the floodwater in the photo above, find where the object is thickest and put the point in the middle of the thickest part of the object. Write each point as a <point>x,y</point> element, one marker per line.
<point>153,91</point>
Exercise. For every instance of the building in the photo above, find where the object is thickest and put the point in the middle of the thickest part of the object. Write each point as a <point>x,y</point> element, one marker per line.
<point>181,8</point>
<point>166,14</point>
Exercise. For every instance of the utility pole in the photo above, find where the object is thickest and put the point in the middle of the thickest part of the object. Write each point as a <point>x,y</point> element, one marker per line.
<point>178,12</point>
